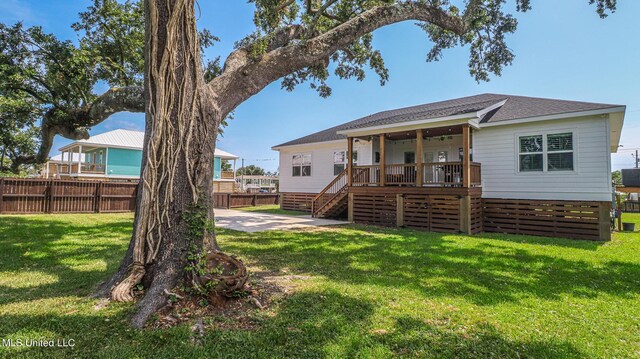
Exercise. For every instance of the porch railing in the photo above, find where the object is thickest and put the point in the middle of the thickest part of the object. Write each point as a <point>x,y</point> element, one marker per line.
<point>88,168</point>
<point>338,185</point>
<point>433,174</point>
<point>442,173</point>
<point>401,174</point>
<point>93,168</point>
<point>365,175</point>
<point>226,175</point>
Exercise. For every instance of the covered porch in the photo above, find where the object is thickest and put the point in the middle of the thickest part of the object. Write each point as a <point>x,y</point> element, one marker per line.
<point>83,160</point>
<point>422,157</point>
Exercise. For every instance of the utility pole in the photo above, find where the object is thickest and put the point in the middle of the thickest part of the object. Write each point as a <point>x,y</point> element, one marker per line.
<point>243,169</point>
<point>636,158</point>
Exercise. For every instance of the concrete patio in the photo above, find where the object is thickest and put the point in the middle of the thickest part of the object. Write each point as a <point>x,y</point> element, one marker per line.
<point>258,222</point>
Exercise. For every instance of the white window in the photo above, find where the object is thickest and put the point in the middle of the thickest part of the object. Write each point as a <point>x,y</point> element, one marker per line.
<point>340,161</point>
<point>301,165</point>
<point>546,152</point>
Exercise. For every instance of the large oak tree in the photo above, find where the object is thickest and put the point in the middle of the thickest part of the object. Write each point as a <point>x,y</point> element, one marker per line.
<point>185,101</point>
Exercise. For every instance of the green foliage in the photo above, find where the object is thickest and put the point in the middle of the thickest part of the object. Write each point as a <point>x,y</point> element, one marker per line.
<point>616,177</point>
<point>486,38</point>
<point>250,170</point>
<point>44,76</point>
<point>113,34</point>
<point>225,166</point>
<point>198,221</point>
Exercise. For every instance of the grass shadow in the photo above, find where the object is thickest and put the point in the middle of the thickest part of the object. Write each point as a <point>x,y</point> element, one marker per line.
<point>43,257</point>
<point>480,269</point>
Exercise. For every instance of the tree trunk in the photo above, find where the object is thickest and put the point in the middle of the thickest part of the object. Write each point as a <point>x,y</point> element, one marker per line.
<point>174,210</point>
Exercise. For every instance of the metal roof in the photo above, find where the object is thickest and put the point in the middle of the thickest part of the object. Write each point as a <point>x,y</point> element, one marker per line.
<point>127,139</point>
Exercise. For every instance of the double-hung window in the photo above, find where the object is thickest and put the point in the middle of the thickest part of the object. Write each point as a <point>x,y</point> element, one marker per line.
<point>340,161</point>
<point>549,152</point>
<point>301,165</point>
<point>560,152</point>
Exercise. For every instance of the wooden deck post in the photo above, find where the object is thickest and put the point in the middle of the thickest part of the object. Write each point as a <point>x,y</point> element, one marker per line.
<point>349,161</point>
<point>465,214</point>
<point>466,161</point>
<point>350,207</point>
<point>383,175</point>
<point>1,194</point>
<point>419,169</point>
<point>604,220</point>
<point>399,210</point>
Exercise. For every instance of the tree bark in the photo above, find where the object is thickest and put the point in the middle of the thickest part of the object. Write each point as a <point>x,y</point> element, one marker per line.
<point>173,214</point>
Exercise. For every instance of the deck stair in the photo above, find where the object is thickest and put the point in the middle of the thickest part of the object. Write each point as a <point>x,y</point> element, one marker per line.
<point>332,201</point>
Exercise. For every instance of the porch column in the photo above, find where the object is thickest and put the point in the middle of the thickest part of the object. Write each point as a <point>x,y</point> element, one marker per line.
<point>419,169</point>
<point>466,161</point>
<point>80,159</point>
<point>349,161</point>
<point>70,153</point>
<point>383,176</point>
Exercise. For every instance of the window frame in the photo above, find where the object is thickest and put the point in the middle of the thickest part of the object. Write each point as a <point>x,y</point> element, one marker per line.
<point>354,157</point>
<point>343,163</point>
<point>545,151</point>
<point>302,164</point>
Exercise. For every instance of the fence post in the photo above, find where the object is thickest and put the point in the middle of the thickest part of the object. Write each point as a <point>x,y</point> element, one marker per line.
<point>98,201</point>
<point>228,200</point>
<point>50,196</point>
<point>254,200</point>
<point>1,194</point>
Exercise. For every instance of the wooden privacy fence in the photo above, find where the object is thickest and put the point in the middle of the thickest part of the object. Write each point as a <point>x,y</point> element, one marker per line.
<point>234,200</point>
<point>568,219</point>
<point>24,196</point>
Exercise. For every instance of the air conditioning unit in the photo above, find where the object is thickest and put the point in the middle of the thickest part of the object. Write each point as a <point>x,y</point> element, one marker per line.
<point>631,177</point>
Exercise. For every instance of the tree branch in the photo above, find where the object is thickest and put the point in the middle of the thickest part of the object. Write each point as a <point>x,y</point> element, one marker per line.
<point>74,124</point>
<point>249,77</point>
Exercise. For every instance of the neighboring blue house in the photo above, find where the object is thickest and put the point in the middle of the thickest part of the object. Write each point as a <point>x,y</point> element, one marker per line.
<point>118,155</point>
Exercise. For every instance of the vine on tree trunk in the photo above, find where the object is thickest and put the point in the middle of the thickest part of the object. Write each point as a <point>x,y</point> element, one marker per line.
<point>173,106</point>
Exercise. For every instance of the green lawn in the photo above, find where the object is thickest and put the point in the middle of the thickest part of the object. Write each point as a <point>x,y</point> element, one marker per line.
<point>355,292</point>
<point>272,209</point>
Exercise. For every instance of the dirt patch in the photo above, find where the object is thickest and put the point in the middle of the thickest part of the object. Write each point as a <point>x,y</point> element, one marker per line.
<point>264,290</point>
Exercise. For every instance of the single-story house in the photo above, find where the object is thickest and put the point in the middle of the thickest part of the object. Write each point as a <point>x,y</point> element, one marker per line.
<point>489,162</point>
<point>117,155</point>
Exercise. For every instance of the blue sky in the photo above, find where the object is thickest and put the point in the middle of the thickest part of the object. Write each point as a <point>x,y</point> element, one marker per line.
<point>563,50</point>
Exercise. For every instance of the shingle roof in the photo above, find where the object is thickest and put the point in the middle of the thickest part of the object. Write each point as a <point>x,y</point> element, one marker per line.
<point>129,139</point>
<point>515,107</point>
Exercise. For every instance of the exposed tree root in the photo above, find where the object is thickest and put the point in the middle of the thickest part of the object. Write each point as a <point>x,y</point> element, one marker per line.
<point>123,292</point>
<point>224,275</point>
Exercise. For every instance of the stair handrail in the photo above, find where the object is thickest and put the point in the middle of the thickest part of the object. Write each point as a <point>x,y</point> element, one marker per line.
<point>318,201</point>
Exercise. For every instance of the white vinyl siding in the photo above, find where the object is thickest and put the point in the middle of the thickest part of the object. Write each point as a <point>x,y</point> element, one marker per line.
<point>322,162</point>
<point>496,148</point>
